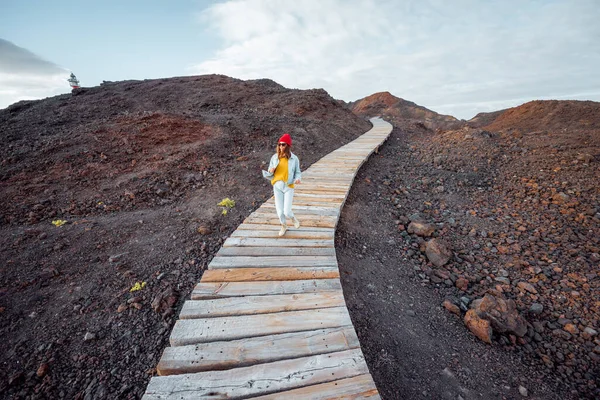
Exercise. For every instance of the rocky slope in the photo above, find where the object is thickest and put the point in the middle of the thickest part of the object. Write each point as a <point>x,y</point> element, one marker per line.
<point>401,111</point>
<point>484,118</point>
<point>135,170</point>
<point>515,212</point>
<point>549,115</point>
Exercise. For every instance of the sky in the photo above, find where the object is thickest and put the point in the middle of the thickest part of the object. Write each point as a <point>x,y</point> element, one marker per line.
<point>455,57</point>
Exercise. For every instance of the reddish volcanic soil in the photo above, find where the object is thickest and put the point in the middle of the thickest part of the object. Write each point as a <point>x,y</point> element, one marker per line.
<point>400,111</point>
<point>518,204</point>
<point>136,169</point>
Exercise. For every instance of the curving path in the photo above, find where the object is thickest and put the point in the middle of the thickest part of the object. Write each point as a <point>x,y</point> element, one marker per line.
<point>268,319</point>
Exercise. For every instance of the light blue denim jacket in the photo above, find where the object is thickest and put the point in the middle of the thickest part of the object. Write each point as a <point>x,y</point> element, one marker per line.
<point>293,168</point>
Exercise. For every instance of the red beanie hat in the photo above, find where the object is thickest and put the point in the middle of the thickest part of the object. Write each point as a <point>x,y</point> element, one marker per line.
<point>286,138</point>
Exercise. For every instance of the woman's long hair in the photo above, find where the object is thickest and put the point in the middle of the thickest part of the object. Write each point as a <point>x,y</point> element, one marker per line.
<point>284,151</point>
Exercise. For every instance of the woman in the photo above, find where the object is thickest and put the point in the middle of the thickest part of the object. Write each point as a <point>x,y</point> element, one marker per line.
<point>285,171</point>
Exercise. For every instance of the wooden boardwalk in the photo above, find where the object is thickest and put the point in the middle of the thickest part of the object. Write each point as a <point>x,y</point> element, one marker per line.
<point>268,320</point>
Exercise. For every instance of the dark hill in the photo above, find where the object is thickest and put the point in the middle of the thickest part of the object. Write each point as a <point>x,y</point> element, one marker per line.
<point>137,136</point>
<point>136,169</point>
<point>549,115</point>
<point>484,118</point>
<point>401,111</point>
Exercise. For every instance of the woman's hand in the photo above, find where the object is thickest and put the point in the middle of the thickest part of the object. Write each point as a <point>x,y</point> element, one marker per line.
<point>271,170</point>
<point>297,181</point>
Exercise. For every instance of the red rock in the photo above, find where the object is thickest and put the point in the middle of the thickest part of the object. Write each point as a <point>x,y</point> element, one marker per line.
<point>204,230</point>
<point>571,328</point>
<point>501,313</point>
<point>462,284</point>
<point>421,228</point>
<point>43,370</point>
<point>478,326</point>
<point>438,252</point>
<point>121,308</point>
<point>527,287</point>
<point>450,306</point>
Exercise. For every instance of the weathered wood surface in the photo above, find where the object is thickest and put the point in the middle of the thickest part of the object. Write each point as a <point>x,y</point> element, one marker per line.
<point>250,351</point>
<point>290,234</point>
<point>275,251</point>
<point>203,330</point>
<point>268,318</point>
<point>214,290</point>
<point>269,274</point>
<point>359,387</point>
<point>258,379</point>
<point>285,241</point>
<point>272,261</point>
<point>250,305</point>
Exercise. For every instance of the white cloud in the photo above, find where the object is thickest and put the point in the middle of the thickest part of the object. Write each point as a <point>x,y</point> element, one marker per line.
<point>461,57</point>
<point>25,76</point>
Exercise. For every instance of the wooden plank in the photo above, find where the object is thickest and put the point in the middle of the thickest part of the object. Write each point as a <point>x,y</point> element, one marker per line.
<point>359,387</point>
<point>275,251</point>
<point>254,305</point>
<point>192,331</point>
<point>326,197</point>
<point>258,379</point>
<point>292,233</point>
<point>316,203</point>
<point>321,221</point>
<point>299,213</point>
<point>251,351</point>
<point>263,301</point>
<point>214,290</point>
<point>319,185</point>
<point>309,213</point>
<point>272,261</point>
<point>282,241</point>
<point>268,274</point>
<point>265,227</point>
<point>306,217</point>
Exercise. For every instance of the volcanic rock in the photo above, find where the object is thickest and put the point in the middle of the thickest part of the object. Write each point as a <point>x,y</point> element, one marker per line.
<point>164,301</point>
<point>501,313</point>
<point>421,228</point>
<point>438,252</point>
<point>479,326</point>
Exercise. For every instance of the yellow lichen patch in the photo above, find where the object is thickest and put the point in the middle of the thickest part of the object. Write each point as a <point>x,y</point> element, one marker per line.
<point>138,286</point>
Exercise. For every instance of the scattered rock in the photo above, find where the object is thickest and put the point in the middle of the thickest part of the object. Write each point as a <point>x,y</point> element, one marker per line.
<point>42,370</point>
<point>523,391</point>
<point>438,252</point>
<point>89,336</point>
<point>501,313</point>
<point>480,327</point>
<point>450,306</point>
<point>561,198</point>
<point>121,308</point>
<point>462,284</point>
<point>116,257</point>
<point>421,228</point>
<point>526,286</point>
<point>15,378</point>
<point>536,308</point>
<point>589,333</point>
<point>164,301</point>
<point>204,230</point>
<point>571,328</point>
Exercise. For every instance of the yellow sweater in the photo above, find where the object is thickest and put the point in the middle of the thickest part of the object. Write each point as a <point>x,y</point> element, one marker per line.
<point>281,172</point>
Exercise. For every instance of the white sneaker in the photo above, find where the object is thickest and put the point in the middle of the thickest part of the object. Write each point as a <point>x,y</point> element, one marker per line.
<point>282,230</point>
<point>296,223</point>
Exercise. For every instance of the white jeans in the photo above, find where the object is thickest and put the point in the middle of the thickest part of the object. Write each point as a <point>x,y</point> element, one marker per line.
<point>284,195</point>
